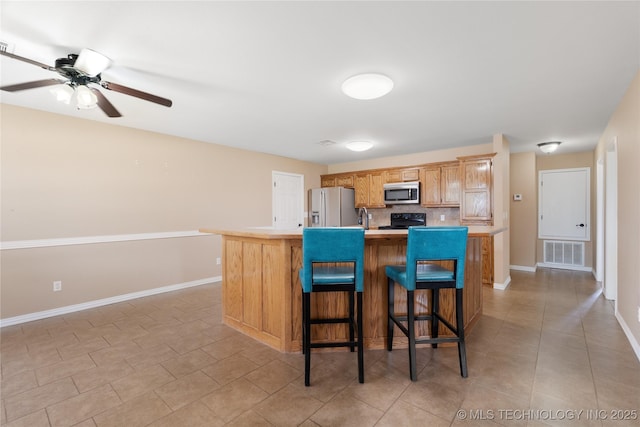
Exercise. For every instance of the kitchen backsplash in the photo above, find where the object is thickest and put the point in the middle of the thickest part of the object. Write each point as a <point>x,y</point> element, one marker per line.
<point>381,217</point>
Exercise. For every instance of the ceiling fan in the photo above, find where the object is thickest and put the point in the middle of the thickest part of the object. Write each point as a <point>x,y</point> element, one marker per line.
<point>79,72</point>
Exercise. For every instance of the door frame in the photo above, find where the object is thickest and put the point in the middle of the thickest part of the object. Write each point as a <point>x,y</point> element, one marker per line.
<point>600,224</point>
<point>611,222</point>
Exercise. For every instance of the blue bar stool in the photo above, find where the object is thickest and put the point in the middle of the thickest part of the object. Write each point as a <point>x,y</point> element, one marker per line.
<point>332,245</point>
<point>430,244</point>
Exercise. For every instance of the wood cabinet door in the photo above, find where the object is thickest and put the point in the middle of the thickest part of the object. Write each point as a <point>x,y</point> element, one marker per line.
<point>361,190</point>
<point>487,261</point>
<point>450,185</point>
<point>345,181</point>
<point>327,181</point>
<point>411,174</point>
<point>393,175</point>
<point>430,186</point>
<point>476,202</point>
<point>376,190</point>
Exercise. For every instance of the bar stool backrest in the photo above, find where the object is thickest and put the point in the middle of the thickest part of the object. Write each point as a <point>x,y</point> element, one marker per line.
<point>332,244</point>
<point>436,244</point>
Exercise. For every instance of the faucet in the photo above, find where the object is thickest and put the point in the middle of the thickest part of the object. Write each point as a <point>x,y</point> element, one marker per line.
<point>365,223</point>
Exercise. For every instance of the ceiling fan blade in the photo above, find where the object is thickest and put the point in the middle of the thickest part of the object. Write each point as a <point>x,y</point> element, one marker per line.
<point>27,60</point>
<point>137,93</point>
<point>32,85</point>
<point>105,105</point>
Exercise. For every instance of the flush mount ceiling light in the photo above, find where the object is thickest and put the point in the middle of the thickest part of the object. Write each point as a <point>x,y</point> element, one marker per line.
<point>359,145</point>
<point>549,147</point>
<point>367,86</point>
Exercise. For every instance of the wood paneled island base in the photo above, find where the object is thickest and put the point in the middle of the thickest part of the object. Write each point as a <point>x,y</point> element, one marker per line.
<point>261,293</point>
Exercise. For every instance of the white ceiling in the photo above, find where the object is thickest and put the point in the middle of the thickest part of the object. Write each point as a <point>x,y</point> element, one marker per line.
<point>266,76</point>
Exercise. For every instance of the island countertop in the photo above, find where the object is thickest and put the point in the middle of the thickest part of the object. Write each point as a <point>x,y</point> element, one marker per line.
<point>372,233</point>
<point>261,292</point>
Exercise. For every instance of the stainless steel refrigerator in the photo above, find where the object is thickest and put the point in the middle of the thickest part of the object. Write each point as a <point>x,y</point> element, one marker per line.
<point>332,207</point>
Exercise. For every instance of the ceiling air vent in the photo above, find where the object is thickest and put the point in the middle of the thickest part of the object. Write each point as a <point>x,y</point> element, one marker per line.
<point>326,143</point>
<point>4,46</point>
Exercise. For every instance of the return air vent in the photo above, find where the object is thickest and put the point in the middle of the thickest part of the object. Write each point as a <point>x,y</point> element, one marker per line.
<point>564,254</point>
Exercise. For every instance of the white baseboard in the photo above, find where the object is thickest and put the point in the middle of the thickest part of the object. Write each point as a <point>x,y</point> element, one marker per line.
<point>105,301</point>
<point>523,268</point>
<point>564,267</point>
<point>632,340</point>
<point>502,286</point>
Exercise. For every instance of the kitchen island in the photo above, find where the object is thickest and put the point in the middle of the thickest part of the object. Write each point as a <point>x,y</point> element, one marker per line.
<point>261,292</point>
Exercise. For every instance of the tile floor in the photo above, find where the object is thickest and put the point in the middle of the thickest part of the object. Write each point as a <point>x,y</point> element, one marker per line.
<point>545,349</point>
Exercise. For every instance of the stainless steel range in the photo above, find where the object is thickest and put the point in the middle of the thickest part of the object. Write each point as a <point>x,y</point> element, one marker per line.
<point>402,221</point>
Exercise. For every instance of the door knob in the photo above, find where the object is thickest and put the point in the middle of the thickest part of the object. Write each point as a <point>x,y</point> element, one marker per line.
<point>580,225</point>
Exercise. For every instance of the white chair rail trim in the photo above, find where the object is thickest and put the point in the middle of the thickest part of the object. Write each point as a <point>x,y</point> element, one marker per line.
<point>66,241</point>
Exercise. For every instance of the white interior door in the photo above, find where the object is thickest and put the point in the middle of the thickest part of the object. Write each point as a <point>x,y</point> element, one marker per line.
<point>287,200</point>
<point>563,204</point>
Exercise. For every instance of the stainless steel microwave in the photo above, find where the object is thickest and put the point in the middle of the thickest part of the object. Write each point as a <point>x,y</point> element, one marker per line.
<point>402,193</point>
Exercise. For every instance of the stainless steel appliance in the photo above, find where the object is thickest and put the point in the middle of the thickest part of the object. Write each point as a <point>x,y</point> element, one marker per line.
<point>402,193</point>
<point>400,221</point>
<point>332,207</point>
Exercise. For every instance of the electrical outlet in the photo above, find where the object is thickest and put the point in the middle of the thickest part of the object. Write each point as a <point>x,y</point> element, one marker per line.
<point>442,218</point>
<point>218,261</point>
<point>57,286</point>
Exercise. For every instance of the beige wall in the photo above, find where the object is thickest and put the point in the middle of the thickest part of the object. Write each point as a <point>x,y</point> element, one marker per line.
<point>63,177</point>
<point>569,161</point>
<point>501,214</point>
<point>523,223</point>
<point>624,126</point>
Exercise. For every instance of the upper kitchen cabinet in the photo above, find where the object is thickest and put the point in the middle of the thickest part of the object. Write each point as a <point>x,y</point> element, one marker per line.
<point>402,175</point>
<point>338,180</point>
<point>327,181</point>
<point>369,189</point>
<point>476,201</point>
<point>440,185</point>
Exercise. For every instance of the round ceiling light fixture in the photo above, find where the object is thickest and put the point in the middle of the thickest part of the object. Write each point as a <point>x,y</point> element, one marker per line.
<point>367,86</point>
<point>549,147</point>
<point>359,145</point>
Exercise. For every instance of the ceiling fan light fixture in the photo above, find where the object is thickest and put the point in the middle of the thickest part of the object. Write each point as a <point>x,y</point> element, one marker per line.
<point>549,147</point>
<point>85,99</point>
<point>367,86</point>
<point>63,93</point>
<point>359,145</point>
<point>91,63</point>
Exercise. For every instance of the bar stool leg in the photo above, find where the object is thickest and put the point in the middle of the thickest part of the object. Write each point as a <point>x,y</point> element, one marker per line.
<point>390,314</point>
<point>462,352</point>
<point>351,322</point>
<point>412,335</point>
<point>360,341</point>
<point>435,308</point>
<point>306,301</point>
